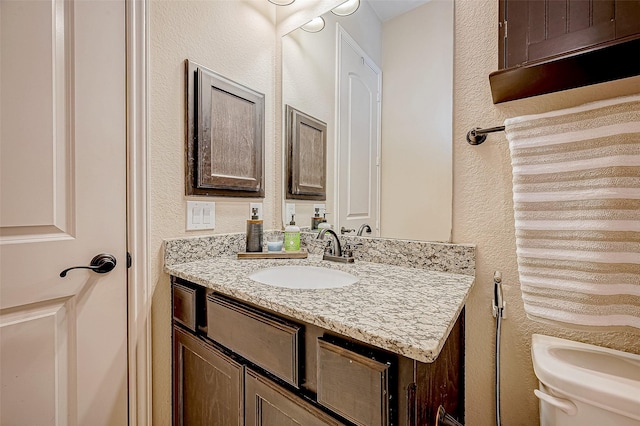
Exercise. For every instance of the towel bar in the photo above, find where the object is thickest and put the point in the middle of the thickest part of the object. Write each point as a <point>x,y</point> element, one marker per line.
<point>477,135</point>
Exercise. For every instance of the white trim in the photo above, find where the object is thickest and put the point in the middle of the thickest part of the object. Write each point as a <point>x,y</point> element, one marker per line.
<point>139,291</point>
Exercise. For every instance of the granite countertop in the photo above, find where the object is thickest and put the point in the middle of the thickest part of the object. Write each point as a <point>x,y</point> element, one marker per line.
<point>408,311</point>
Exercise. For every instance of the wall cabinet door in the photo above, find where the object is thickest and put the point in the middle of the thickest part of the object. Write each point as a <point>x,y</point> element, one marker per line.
<point>208,388</point>
<point>539,29</point>
<point>545,46</point>
<point>225,136</point>
<point>268,404</point>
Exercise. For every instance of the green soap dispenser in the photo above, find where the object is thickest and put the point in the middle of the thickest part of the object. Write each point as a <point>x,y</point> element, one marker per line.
<point>292,236</point>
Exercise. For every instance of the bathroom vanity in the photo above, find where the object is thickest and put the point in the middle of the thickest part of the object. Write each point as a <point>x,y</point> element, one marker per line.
<point>387,350</point>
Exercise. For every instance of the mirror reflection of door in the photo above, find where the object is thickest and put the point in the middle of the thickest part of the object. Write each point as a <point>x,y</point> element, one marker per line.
<point>358,136</point>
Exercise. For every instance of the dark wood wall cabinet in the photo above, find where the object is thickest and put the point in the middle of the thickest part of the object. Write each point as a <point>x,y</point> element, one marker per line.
<point>551,45</point>
<point>224,136</point>
<point>306,138</point>
<point>239,364</point>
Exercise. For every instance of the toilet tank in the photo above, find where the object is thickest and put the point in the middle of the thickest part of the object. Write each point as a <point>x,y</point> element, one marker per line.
<point>585,385</point>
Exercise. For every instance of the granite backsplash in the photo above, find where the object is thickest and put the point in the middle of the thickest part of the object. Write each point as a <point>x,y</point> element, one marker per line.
<point>442,257</point>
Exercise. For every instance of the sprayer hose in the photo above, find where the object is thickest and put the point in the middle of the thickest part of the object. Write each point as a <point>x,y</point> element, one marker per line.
<point>498,323</point>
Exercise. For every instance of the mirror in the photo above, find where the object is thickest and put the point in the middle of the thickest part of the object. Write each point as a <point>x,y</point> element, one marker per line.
<point>382,81</point>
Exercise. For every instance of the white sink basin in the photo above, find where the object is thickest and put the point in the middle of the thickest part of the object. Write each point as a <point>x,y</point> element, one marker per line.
<point>304,277</point>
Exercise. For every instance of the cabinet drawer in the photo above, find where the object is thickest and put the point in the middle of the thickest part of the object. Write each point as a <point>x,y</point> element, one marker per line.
<point>354,385</point>
<point>184,305</point>
<point>268,404</point>
<point>266,340</point>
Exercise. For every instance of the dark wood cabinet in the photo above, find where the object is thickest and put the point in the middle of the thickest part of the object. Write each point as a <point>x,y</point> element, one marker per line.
<point>271,405</point>
<point>207,384</point>
<point>240,364</point>
<point>225,136</point>
<point>354,385</point>
<point>306,138</point>
<point>266,340</point>
<point>532,30</point>
<point>550,45</point>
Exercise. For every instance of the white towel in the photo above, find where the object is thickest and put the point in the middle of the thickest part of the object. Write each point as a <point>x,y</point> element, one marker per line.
<point>576,193</point>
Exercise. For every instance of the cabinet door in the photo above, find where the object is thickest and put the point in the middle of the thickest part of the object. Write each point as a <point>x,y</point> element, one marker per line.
<point>547,46</point>
<point>354,386</point>
<point>537,29</point>
<point>207,385</point>
<point>225,136</point>
<point>268,404</point>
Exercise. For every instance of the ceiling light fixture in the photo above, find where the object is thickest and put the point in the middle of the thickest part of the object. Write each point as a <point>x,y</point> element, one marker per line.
<point>282,2</point>
<point>346,8</point>
<point>314,25</point>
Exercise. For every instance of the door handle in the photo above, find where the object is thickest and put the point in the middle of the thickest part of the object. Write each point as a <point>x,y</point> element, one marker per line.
<point>100,264</point>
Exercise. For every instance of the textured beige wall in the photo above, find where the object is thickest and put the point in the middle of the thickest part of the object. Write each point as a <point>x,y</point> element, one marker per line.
<point>482,214</point>
<point>235,39</point>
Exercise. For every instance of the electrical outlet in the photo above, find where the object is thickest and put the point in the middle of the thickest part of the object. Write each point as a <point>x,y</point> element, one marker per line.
<point>201,215</point>
<point>322,208</point>
<point>290,210</point>
<point>256,206</point>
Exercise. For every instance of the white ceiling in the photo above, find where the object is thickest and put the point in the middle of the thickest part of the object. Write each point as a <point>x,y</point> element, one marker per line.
<point>389,9</point>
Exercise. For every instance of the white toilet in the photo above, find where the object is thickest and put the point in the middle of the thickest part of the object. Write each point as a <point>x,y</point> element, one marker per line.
<point>585,385</point>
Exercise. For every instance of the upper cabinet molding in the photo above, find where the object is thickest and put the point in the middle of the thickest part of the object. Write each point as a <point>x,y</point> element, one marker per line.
<point>551,45</point>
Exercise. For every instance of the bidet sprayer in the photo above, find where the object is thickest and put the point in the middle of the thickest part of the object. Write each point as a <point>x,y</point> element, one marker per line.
<point>498,298</point>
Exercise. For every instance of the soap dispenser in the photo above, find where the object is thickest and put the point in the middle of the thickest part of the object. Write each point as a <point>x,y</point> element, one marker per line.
<point>254,233</point>
<point>316,220</point>
<point>324,224</point>
<point>292,236</point>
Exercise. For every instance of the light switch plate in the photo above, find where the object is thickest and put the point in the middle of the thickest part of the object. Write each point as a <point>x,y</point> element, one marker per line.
<point>201,215</point>
<point>290,209</point>
<point>256,206</point>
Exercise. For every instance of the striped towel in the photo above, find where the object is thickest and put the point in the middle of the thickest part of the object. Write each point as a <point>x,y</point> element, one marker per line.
<point>576,193</point>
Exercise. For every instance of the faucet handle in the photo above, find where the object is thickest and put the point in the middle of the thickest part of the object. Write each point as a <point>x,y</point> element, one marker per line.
<point>344,230</point>
<point>348,249</point>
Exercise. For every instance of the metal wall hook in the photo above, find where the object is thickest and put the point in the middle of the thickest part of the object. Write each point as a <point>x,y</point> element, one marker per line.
<point>100,264</point>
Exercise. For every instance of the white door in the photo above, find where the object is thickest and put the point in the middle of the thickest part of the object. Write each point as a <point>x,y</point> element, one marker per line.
<point>63,341</point>
<point>358,127</point>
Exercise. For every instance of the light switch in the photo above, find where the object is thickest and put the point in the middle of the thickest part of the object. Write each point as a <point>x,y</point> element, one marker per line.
<point>196,215</point>
<point>201,215</point>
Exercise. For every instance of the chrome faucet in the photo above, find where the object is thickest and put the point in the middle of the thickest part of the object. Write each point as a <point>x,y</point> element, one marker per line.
<point>362,228</point>
<point>329,252</point>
